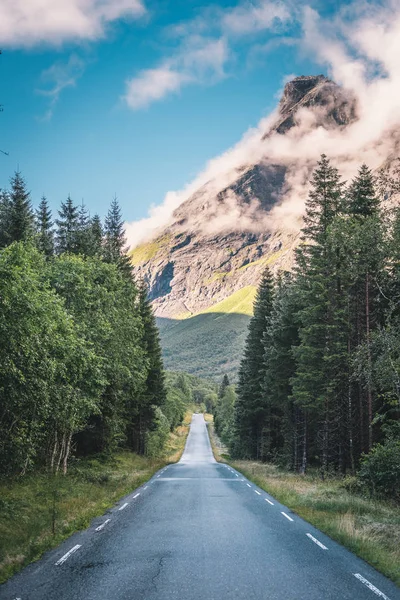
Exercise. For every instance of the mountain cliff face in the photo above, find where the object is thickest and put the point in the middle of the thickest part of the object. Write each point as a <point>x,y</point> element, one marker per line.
<point>223,236</point>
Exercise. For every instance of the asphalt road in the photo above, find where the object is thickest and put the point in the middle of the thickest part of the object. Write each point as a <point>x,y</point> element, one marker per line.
<point>199,531</point>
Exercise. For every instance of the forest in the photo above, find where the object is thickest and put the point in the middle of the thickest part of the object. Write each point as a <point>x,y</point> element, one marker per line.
<point>81,371</point>
<point>319,381</point>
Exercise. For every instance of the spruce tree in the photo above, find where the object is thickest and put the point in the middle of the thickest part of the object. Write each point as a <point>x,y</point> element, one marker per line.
<point>223,386</point>
<point>5,209</point>
<point>83,233</point>
<point>317,387</point>
<point>115,241</point>
<point>21,219</point>
<point>249,408</point>
<point>44,228</point>
<point>367,276</point>
<point>96,236</point>
<point>154,391</point>
<point>283,425</point>
<point>67,227</point>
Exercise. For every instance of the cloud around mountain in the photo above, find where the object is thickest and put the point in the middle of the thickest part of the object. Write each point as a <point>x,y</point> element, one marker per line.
<point>359,49</point>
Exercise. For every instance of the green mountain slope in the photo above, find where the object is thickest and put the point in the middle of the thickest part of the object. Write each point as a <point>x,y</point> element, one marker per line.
<point>211,343</point>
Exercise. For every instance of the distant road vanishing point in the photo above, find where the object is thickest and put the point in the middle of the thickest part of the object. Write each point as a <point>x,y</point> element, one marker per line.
<point>198,530</point>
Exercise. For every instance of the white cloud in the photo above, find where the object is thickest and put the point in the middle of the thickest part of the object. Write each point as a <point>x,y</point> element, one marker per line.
<point>251,17</point>
<point>204,50</point>
<point>58,77</point>
<point>360,49</point>
<point>25,23</point>
<point>152,84</point>
<point>200,60</point>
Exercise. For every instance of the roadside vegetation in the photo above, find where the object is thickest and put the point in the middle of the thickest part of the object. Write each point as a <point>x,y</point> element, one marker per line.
<point>40,510</point>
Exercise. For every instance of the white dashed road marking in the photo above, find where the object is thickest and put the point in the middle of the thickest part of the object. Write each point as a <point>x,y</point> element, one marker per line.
<point>146,487</point>
<point>123,506</point>
<point>136,495</point>
<point>259,493</point>
<point>287,516</point>
<point>236,475</point>
<point>316,541</point>
<point>66,556</point>
<point>269,501</point>
<point>371,586</point>
<point>248,485</point>
<point>100,527</point>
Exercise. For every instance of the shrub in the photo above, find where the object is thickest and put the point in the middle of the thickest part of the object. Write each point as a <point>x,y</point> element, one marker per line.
<point>380,469</point>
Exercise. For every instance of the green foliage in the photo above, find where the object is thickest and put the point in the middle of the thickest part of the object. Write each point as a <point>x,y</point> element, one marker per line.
<point>249,409</point>
<point>44,231</point>
<point>319,382</point>
<point>20,219</point>
<point>80,358</point>
<point>380,469</point>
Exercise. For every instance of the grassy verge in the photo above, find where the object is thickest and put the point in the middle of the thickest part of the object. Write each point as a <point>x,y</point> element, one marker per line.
<point>368,527</point>
<point>38,511</point>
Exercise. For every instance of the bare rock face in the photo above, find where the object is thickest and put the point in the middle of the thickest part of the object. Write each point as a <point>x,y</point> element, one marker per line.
<point>220,241</point>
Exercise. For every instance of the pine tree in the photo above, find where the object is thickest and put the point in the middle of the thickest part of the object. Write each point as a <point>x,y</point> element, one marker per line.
<point>317,389</point>
<point>115,241</point>
<point>249,408</point>
<point>21,219</point>
<point>96,236</point>
<point>83,233</point>
<point>44,228</point>
<point>67,227</point>
<point>5,210</point>
<point>283,420</point>
<point>223,386</point>
<point>362,199</point>
<point>154,392</point>
<point>366,277</point>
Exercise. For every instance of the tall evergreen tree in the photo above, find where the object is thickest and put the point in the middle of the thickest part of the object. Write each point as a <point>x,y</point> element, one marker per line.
<point>96,236</point>
<point>224,384</point>
<point>154,393</point>
<point>44,228</point>
<point>84,232</point>
<point>250,408</point>
<point>316,389</point>
<point>67,227</point>
<point>367,274</point>
<point>115,240</point>
<point>21,219</point>
<point>5,210</point>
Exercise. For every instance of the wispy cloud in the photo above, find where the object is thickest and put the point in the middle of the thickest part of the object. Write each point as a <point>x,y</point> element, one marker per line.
<point>251,17</point>
<point>56,78</point>
<point>25,23</point>
<point>205,48</point>
<point>200,60</point>
<point>359,48</point>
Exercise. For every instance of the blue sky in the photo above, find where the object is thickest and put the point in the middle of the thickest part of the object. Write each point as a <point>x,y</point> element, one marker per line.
<point>132,98</point>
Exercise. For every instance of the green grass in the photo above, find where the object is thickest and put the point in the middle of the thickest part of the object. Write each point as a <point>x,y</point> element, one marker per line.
<point>38,511</point>
<point>240,303</point>
<point>263,261</point>
<point>145,252</point>
<point>368,527</point>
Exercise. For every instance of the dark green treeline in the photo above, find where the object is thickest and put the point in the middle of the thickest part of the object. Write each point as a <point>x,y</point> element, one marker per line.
<point>319,382</point>
<point>80,359</point>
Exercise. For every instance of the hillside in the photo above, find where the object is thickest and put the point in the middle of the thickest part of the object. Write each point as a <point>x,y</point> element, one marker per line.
<point>222,237</point>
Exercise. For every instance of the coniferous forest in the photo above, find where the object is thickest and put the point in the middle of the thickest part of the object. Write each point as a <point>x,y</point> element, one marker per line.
<point>80,360</point>
<point>319,382</point>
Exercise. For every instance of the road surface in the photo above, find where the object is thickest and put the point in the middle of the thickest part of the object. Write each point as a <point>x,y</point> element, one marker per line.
<point>198,530</point>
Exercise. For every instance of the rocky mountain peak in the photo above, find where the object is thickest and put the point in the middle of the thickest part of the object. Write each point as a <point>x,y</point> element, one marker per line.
<point>220,239</point>
<point>296,89</point>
